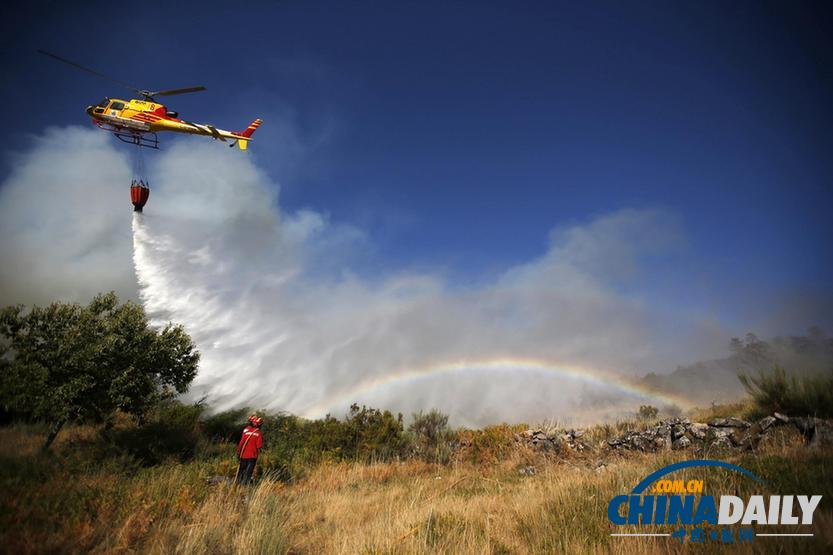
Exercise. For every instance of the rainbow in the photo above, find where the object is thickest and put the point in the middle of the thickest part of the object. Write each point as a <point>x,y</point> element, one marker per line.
<point>606,380</point>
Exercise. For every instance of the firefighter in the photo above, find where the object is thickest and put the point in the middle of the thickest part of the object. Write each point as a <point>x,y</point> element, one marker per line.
<point>251,442</point>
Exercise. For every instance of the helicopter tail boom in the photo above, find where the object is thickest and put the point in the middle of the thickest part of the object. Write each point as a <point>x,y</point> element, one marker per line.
<point>251,128</point>
<point>245,135</point>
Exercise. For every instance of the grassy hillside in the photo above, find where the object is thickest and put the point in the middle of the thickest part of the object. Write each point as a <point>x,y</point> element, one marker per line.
<point>89,496</point>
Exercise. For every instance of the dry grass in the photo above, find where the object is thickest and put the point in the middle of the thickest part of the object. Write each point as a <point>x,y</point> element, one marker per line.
<point>467,509</point>
<point>408,507</point>
<point>742,408</point>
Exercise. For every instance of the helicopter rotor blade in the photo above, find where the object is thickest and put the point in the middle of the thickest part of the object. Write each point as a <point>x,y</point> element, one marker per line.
<point>170,92</point>
<point>88,70</point>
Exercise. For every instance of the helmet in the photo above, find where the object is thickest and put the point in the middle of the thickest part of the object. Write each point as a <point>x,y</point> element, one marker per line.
<point>255,421</point>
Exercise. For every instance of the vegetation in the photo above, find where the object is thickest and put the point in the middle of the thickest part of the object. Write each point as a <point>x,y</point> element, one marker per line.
<point>89,495</point>
<point>708,381</point>
<point>137,470</point>
<point>67,362</point>
<point>171,432</point>
<point>431,437</point>
<point>489,445</point>
<point>365,434</point>
<point>776,391</point>
<point>647,412</point>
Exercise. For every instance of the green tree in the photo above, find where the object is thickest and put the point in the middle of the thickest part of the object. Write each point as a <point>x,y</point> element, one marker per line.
<point>67,362</point>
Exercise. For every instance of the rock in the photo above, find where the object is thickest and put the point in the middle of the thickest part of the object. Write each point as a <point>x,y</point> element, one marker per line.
<point>751,437</point>
<point>781,417</point>
<point>766,422</point>
<point>666,437</point>
<point>527,471</point>
<point>722,442</point>
<point>730,422</point>
<point>662,436</point>
<point>533,435</point>
<point>677,431</point>
<point>571,439</point>
<point>698,430</point>
<point>539,439</point>
<point>719,433</point>
<point>681,443</point>
<point>823,435</point>
<point>636,441</point>
<point>805,424</point>
<point>817,431</point>
<point>739,437</point>
<point>720,437</point>
<point>213,480</point>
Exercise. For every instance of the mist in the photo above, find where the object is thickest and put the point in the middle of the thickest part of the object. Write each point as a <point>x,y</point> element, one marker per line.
<point>63,230</point>
<point>287,318</point>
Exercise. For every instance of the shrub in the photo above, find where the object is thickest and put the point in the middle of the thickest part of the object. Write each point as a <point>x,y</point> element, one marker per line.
<point>285,452</point>
<point>326,438</point>
<point>489,445</point>
<point>171,431</point>
<point>365,434</point>
<point>373,434</point>
<point>791,395</point>
<point>224,426</point>
<point>293,444</point>
<point>431,436</point>
<point>647,412</point>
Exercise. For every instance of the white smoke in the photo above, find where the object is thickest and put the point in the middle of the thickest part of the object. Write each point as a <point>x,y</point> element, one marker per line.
<point>283,323</point>
<point>63,220</point>
<point>282,317</point>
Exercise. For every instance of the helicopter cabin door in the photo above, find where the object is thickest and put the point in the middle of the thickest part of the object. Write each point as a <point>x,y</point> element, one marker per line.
<point>115,108</point>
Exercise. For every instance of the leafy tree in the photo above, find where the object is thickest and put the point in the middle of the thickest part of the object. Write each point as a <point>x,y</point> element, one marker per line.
<point>751,351</point>
<point>67,362</point>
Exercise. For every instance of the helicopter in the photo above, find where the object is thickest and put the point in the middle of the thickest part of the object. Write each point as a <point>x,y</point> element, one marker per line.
<point>137,121</point>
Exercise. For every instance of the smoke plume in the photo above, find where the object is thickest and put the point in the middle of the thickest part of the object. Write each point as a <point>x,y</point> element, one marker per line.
<point>286,321</point>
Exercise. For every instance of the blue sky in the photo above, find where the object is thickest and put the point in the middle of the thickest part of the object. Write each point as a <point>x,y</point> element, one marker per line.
<point>458,135</point>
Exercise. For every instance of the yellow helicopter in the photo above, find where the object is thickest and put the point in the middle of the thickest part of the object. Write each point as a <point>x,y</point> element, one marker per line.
<point>138,121</point>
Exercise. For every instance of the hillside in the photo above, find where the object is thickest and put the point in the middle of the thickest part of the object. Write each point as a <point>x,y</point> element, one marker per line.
<point>716,381</point>
<point>495,494</point>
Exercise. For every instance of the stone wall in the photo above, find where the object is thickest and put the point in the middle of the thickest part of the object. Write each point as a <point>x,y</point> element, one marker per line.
<point>682,433</point>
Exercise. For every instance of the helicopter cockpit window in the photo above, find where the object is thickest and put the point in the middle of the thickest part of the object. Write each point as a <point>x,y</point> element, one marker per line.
<point>117,106</point>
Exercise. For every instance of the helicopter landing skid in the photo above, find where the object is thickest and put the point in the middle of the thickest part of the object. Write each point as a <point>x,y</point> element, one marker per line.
<point>127,135</point>
<point>146,140</point>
